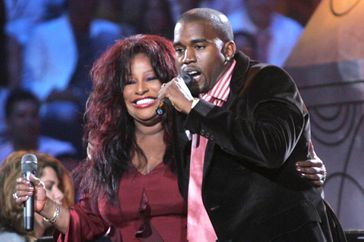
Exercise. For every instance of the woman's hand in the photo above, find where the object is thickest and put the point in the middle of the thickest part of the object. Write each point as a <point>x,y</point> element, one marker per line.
<point>313,170</point>
<point>33,187</point>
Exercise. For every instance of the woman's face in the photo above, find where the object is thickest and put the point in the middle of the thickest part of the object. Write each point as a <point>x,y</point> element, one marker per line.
<point>51,183</point>
<point>141,91</point>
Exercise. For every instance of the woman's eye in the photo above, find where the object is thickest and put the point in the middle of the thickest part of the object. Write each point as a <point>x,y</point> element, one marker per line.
<point>152,78</point>
<point>128,82</point>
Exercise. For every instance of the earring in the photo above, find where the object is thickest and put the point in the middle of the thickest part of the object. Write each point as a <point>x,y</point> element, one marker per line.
<point>227,59</point>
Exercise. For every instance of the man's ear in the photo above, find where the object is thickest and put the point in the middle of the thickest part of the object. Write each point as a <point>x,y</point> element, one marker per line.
<point>229,50</point>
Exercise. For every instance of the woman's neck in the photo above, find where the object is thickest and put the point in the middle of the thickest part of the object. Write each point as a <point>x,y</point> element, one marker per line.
<point>151,140</point>
<point>142,129</point>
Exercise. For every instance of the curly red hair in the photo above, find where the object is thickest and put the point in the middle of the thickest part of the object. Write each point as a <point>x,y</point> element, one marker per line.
<point>109,127</point>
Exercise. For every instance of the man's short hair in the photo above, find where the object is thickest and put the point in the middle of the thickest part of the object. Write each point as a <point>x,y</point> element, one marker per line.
<point>218,21</point>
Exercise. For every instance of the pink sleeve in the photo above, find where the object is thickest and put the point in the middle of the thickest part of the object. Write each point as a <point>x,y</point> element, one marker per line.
<point>84,224</point>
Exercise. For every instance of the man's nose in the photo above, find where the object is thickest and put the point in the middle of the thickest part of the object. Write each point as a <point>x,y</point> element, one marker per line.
<point>189,56</point>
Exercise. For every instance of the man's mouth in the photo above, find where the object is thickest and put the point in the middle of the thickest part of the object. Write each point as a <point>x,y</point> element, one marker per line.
<point>194,74</point>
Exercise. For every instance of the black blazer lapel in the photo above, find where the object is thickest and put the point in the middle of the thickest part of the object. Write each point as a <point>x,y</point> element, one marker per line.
<point>237,82</point>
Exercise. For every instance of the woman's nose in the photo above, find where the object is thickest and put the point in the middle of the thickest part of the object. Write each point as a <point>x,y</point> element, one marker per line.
<point>141,88</point>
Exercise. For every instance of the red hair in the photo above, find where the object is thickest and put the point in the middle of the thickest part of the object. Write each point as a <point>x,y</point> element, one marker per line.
<point>109,128</point>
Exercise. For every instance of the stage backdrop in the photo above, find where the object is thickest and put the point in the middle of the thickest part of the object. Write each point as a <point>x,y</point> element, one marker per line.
<point>328,66</point>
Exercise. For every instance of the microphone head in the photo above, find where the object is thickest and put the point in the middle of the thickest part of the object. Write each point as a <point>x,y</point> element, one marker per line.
<point>186,78</point>
<point>29,164</point>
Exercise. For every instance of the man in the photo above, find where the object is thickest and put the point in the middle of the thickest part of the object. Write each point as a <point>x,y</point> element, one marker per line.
<point>23,129</point>
<point>249,126</point>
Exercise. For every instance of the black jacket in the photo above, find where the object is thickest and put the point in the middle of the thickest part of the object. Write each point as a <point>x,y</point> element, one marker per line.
<point>251,190</point>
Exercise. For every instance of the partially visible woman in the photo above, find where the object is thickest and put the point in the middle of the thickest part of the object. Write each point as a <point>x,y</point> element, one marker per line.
<point>58,186</point>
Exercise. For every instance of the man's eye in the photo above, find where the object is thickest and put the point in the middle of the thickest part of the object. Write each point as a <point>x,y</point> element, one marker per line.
<point>200,47</point>
<point>178,50</point>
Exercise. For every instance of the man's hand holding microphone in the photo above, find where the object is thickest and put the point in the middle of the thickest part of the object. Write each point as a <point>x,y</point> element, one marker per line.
<point>177,94</point>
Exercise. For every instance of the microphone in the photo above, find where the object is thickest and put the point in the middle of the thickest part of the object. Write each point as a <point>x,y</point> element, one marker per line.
<point>29,166</point>
<point>166,102</point>
<point>162,108</point>
<point>186,78</point>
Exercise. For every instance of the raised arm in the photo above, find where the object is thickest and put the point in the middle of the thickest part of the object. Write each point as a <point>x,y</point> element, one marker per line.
<point>78,223</point>
<point>56,214</point>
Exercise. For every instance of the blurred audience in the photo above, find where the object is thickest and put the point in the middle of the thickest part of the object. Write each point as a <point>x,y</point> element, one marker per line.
<point>228,7</point>
<point>300,10</point>
<point>58,186</point>
<point>3,94</point>
<point>3,68</point>
<point>156,18</point>
<point>3,54</point>
<point>57,61</point>
<point>275,34</point>
<point>23,129</point>
<point>21,18</point>
<point>112,10</point>
<point>182,6</point>
<point>246,42</point>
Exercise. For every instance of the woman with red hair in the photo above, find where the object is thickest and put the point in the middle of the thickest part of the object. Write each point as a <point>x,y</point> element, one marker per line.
<point>128,186</point>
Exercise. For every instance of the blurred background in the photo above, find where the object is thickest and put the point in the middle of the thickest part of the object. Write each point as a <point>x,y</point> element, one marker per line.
<point>47,48</point>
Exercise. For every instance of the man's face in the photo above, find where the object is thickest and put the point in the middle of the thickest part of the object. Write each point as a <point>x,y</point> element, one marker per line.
<point>23,122</point>
<point>199,52</point>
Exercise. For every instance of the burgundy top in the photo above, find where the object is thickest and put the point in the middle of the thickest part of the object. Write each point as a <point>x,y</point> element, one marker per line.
<point>157,191</point>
